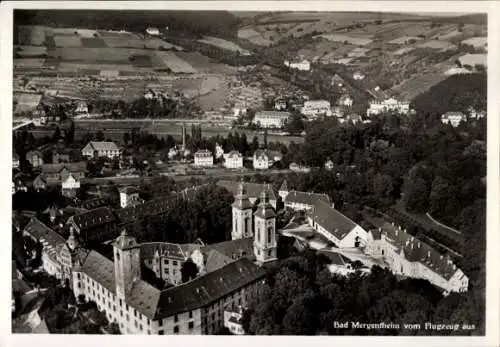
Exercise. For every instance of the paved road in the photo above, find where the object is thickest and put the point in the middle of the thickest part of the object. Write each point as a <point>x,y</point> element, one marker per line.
<point>179,178</point>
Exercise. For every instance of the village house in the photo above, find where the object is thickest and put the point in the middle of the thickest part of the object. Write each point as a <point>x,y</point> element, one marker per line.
<point>70,186</point>
<point>15,161</point>
<point>315,108</point>
<point>453,118</point>
<point>57,173</point>
<point>233,160</point>
<point>345,100</point>
<point>129,196</point>
<point>329,165</point>
<point>39,183</point>
<point>271,119</point>
<point>203,158</point>
<point>358,76</point>
<point>81,108</point>
<point>153,31</point>
<point>35,158</point>
<point>336,227</point>
<point>101,149</point>
<point>232,321</point>
<point>303,65</point>
<point>280,105</point>
<point>389,105</point>
<point>337,81</point>
<point>408,256</point>
<point>261,160</point>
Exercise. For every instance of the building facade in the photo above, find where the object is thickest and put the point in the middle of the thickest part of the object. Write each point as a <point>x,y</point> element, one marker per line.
<point>265,245</point>
<point>271,119</point>
<point>303,65</point>
<point>314,108</point>
<point>101,149</point>
<point>203,158</point>
<point>233,160</point>
<point>261,160</point>
<point>389,105</point>
<point>453,118</point>
<point>408,256</point>
<point>242,215</point>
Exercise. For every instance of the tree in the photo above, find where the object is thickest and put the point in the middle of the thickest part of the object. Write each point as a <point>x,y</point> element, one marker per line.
<point>57,135</point>
<point>294,125</point>
<point>416,196</point>
<point>99,136</point>
<point>126,138</point>
<point>70,135</point>
<point>189,271</point>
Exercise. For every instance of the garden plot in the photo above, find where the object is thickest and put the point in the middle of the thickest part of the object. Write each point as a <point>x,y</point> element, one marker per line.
<point>404,40</point>
<point>174,63</point>
<point>117,55</point>
<point>356,41</point>
<point>254,37</point>
<point>29,63</point>
<point>26,101</point>
<point>30,51</point>
<point>67,41</point>
<point>437,44</point>
<point>31,35</point>
<point>93,42</point>
<point>224,44</point>
<point>74,31</point>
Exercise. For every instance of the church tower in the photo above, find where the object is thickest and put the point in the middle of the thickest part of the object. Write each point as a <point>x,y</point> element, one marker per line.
<point>283,192</point>
<point>242,214</point>
<point>127,263</point>
<point>264,244</point>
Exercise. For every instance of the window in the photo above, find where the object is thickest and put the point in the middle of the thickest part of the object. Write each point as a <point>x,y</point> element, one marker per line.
<point>121,313</point>
<point>120,302</point>
<point>175,262</point>
<point>270,253</point>
<point>176,318</point>
<point>160,332</point>
<point>176,329</point>
<point>78,275</point>
<point>135,323</point>
<point>140,327</point>
<point>190,325</point>
<point>126,316</point>
<point>190,314</point>
<point>165,261</point>
<point>213,315</point>
<point>79,285</point>
<point>160,322</point>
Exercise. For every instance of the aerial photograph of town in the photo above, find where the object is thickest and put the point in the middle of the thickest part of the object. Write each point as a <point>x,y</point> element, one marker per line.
<point>248,173</point>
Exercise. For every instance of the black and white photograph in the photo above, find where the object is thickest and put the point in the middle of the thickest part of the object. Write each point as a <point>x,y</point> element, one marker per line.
<point>249,172</point>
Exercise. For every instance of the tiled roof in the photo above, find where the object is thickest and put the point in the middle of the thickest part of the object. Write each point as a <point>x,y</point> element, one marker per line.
<point>234,154</point>
<point>128,190</point>
<point>232,249</point>
<point>93,203</point>
<point>253,190</point>
<point>102,146</point>
<point>100,269</point>
<point>203,153</point>
<point>332,220</point>
<point>305,198</point>
<point>216,260</point>
<point>165,249</point>
<point>48,237</point>
<point>261,153</point>
<point>265,209</point>
<point>284,186</point>
<point>418,251</point>
<point>209,288</point>
<point>94,218</point>
<point>273,114</point>
<point>80,166</point>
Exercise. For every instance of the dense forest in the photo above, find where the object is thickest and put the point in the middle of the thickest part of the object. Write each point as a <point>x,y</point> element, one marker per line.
<point>456,93</point>
<point>219,23</point>
<point>301,297</point>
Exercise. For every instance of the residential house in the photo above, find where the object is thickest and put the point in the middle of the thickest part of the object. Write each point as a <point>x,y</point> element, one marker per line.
<point>408,256</point>
<point>129,196</point>
<point>303,65</point>
<point>453,118</point>
<point>81,108</point>
<point>389,105</point>
<point>336,227</point>
<point>101,149</point>
<point>271,119</point>
<point>233,160</point>
<point>358,76</point>
<point>39,183</point>
<point>15,161</point>
<point>153,31</point>
<point>315,108</point>
<point>337,81</point>
<point>57,173</point>
<point>35,158</point>
<point>345,100</point>
<point>70,186</point>
<point>261,160</point>
<point>203,158</point>
<point>280,105</point>
<point>329,165</point>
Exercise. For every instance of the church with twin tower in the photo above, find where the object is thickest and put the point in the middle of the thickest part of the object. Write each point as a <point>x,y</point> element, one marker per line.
<point>259,225</point>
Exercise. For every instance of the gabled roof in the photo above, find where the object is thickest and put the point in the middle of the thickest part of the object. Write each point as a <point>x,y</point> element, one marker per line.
<point>232,249</point>
<point>216,260</point>
<point>234,154</point>
<point>128,190</point>
<point>284,187</point>
<point>203,153</point>
<point>261,153</point>
<point>100,269</point>
<point>305,198</point>
<point>94,218</point>
<point>165,249</point>
<point>93,203</point>
<point>80,166</point>
<point>43,233</point>
<point>332,220</point>
<point>101,146</point>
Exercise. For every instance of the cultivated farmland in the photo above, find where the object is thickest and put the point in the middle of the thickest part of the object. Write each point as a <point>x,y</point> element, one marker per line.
<point>175,63</point>
<point>30,35</point>
<point>223,44</point>
<point>356,41</point>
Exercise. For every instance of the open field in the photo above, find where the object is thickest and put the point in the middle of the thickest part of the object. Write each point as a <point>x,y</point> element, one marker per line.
<point>253,36</point>
<point>26,101</point>
<point>404,40</point>
<point>403,50</point>
<point>477,42</point>
<point>436,44</point>
<point>30,51</point>
<point>31,35</point>
<point>67,41</point>
<point>29,63</point>
<point>356,41</point>
<point>224,44</point>
<point>474,59</point>
<point>73,32</point>
<point>175,63</point>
